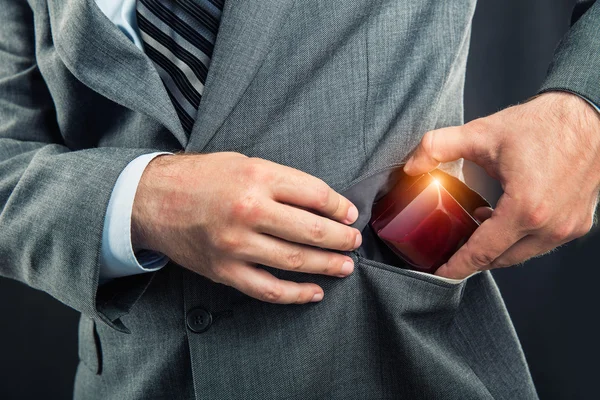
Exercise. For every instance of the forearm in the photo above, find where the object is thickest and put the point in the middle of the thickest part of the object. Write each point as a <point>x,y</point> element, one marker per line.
<point>576,63</point>
<point>52,199</point>
<point>53,202</point>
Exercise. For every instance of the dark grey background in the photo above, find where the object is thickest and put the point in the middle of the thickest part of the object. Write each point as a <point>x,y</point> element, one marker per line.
<point>551,299</point>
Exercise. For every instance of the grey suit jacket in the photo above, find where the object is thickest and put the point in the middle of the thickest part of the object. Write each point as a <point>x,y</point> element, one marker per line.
<point>341,89</point>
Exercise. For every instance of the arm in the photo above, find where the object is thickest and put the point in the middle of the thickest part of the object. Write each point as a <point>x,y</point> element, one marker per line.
<point>221,215</point>
<point>52,200</point>
<point>576,63</point>
<point>545,153</point>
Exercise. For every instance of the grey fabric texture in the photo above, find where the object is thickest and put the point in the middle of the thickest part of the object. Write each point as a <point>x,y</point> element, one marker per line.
<point>343,90</point>
<point>576,63</point>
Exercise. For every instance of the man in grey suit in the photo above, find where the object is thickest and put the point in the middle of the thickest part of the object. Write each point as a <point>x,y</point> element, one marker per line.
<point>289,119</point>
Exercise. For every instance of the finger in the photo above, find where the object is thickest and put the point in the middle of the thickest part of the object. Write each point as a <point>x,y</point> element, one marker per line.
<point>441,145</point>
<point>304,190</point>
<point>277,253</point>
<point>261,285</point>
<point>483,213</point>
<point>300,226</point>
<point>528,247</point>
<point>487,243</point>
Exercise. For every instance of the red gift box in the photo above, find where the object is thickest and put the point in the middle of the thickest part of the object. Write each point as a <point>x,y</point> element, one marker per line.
<point>426,219</point>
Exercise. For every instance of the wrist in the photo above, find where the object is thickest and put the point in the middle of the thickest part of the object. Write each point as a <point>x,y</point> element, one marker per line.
<point>146,211</point>
<point>570,111</point>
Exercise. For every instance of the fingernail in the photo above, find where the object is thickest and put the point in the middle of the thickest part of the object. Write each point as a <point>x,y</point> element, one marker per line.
<point>358,241</point>
<point>347,268</point>
<point>317,297</point>
<point>352,214</point>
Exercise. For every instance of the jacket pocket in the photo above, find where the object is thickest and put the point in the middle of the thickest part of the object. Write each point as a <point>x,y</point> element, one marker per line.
<point>405,297</point>
<point>374,253</point>
<point>89,345</point>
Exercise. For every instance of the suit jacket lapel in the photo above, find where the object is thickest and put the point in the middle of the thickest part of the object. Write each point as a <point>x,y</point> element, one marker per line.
<point>247,30</point>
<point>101,57</point>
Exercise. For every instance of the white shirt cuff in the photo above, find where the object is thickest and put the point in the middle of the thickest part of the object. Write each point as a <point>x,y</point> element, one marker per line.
<point>117,258</point>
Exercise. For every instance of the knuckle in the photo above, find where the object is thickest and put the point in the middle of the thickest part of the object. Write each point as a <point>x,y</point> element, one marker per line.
<point>302,297</point>
<point>295,259</point>
<point>428,144</point>
<point>322,194</point>
<point>248,207</point>
<point>333,265</point>
<point>317,231</point>
<point>349,240</point>
<point>536,215</point>
<point>481,143</point>
<point>218,274</point>
<point>257,170</point>
<point>480,259</point>
<point>271,294</point>
<point>227,242</point>
<point>330,266</point>
<point>477,126</point>
<point>560,233</point>
<point>252,169</point>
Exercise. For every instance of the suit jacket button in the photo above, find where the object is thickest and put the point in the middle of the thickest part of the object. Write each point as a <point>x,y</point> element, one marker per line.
<point>199,320</point>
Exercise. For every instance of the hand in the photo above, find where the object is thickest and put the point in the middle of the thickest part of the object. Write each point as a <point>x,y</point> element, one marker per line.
<point>220,214</point>
<point>546,155</point>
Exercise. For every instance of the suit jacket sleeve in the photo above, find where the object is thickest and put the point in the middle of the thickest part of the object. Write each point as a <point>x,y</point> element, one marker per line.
<point>53,199</point>
<point>576,63</point>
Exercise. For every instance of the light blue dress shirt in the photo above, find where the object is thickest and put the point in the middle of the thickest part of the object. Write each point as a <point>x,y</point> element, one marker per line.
<point>117,257</point>
<point>122,14</point>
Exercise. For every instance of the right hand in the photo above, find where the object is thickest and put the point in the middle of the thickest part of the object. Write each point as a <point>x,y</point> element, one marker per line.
<point>219,214</point>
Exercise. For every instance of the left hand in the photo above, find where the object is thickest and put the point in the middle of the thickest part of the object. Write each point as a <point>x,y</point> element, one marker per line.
<point>546,155</point>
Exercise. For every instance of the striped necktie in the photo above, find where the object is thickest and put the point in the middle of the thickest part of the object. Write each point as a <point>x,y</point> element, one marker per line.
<point>179,36</point>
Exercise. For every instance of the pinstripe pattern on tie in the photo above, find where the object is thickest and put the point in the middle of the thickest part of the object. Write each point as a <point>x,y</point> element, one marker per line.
<point>179,37</point>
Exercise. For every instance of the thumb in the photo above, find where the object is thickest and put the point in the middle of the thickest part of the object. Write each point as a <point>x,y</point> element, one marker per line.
<point>482,213</point>
<point>438,146</point>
